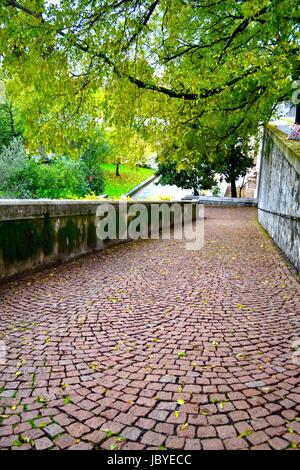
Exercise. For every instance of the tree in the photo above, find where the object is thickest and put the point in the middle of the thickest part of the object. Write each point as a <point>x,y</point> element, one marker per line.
<point>233,160</point>
<point>10,124</point>
<point>197,177</point>
<point>168,62</point>
<point>97,151</point>
<point>128,146</point>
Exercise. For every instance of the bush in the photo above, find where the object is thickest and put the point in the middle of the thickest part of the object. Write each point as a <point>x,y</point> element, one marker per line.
<point>17,172</point>
<point>22,177</point>
<point>94,175</point>
<point>90,161</point>
<point>61,179</point>
<point>216,191</point>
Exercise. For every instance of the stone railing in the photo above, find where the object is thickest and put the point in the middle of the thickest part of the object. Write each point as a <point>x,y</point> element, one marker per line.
<point>37,233</point>
<point>279,192</point>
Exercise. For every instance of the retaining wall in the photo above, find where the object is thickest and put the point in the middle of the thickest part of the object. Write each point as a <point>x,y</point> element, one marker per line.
<point>37,233</point>
<point>279,192</point>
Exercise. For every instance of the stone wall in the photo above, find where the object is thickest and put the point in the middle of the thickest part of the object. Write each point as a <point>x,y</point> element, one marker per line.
<point>37,233</point>
<point>217,201</point>
<point>279,192</point>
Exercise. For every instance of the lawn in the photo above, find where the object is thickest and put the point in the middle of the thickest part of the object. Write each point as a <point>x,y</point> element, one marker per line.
<point>130,177</point>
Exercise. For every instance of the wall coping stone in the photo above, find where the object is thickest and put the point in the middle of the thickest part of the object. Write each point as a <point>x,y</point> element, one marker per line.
<point>21,209</point>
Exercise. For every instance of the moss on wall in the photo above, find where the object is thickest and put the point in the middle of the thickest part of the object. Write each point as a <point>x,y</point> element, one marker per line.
<point>268,147</point>
<point>48,236</point>
<point>69,237</point>
<point>22,239</point>
<point>91,236</point>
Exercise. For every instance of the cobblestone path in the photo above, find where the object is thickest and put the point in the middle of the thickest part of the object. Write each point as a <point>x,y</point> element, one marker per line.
<point>147,345</point>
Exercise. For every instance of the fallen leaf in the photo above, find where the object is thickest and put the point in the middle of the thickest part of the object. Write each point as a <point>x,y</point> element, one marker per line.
<point>240,306</point>
<point>67,400</point>
<point>181,354</point>
<point>184,426</point>
<point>242,356</point>
<point>246,433</point>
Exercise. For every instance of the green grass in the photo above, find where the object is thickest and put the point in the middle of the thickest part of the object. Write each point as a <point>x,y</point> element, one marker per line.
<point>116,186</point>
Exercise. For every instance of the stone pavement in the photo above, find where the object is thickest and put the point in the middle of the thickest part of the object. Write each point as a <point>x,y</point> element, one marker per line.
<point>147,345</point>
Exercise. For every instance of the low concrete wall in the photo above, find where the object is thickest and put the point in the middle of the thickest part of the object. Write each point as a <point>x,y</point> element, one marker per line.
<point>37,233</point>
<point>223,201</point>
<point>279,192</point>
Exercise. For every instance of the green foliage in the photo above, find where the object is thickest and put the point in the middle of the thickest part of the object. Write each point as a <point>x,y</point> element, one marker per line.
<point>96,154</point>
<point>234,158</point>
<point>148,67</point>
<point>17,172</point>
<point>11,124</point>
<point>215,190</point>
<point>61,179</point>
<point>173,74</point>
<point>22,177</point>
<point>91,158</point>
<point>196,176</point>
<point>130,176</point>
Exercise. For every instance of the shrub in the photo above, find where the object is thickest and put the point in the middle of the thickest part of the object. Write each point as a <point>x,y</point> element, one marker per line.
<point>22,177</point>
<point>17,172</point>
<point>216,191</point>
<point>90,161</point>
<point>61,179</point>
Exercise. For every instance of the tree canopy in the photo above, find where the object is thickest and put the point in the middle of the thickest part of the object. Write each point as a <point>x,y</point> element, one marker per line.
<point>155,66</point>
<point>196,177</point>
<point>11,124</point>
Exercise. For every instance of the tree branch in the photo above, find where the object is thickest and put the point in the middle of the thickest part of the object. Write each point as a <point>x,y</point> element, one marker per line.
<point>17,5</point>
<point>142,84</point>
<point>142,25</point>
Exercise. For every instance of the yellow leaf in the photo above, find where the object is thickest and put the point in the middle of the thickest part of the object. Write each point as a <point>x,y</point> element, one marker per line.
<point>184,426</point>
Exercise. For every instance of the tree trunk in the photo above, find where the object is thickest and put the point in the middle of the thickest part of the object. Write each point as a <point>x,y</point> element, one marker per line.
<point>297,118</point>
<point>242,187</point>
<point>117,170</point>
<point>196,192</point>
<point>233,189</point>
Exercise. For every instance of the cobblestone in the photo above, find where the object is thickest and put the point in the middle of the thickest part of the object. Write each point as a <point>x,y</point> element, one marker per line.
<point>92,346</point>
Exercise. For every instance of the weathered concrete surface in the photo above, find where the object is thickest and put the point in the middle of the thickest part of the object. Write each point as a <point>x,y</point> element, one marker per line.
<point>279,192</point>
<point>223,201</point>
<point>92,346</point>
<point>37,233</point>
